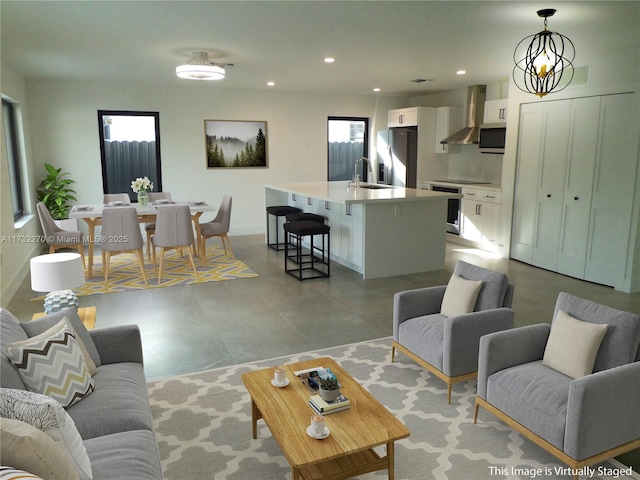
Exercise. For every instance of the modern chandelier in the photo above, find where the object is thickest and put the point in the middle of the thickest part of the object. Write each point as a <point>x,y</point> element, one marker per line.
<point>200,68</point>
<point>543,60</point>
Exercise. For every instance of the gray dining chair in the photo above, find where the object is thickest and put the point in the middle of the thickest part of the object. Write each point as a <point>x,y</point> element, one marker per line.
<point>116,197</point>
<point>120,234</point>
<point>218,227</point>
<point>150,227</point>
<point>57,237</point>
<point>174,230</point>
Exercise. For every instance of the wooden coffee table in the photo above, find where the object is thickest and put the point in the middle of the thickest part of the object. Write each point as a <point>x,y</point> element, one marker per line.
<point>348,450</point>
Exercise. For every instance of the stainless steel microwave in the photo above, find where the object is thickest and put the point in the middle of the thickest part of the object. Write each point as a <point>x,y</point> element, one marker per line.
<point>492,137</point>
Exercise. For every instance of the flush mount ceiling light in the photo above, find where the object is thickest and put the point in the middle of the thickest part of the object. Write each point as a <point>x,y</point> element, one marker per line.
<point>200,68</point>
<point>543,59</point>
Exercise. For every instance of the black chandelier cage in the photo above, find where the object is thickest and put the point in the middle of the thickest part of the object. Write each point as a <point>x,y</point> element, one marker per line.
<point>546,61</point>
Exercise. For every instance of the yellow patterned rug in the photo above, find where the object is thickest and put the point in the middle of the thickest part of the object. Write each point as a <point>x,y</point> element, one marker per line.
<point>124,272</point>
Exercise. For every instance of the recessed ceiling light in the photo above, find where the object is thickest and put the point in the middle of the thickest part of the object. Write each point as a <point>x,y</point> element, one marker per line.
<point>376,89</point>
<point>461,72</point>
<point>271,84</point>
<point>329,60</point>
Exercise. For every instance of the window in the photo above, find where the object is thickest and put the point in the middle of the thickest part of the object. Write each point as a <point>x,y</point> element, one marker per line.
<point>348,141</point>
<point>9,117</point>
<point>129,148</point>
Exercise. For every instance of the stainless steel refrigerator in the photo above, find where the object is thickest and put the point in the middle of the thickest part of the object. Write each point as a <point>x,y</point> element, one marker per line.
<point>397,156</point>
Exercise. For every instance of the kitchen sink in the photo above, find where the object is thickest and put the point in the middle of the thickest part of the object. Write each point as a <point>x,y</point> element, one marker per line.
<point>375,187</point>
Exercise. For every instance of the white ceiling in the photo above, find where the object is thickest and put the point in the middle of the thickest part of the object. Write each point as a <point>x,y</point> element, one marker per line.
<point>381,44</point>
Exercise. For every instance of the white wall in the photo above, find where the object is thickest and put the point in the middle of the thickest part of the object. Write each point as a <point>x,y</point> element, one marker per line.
<point>65,130</point>
<point>17,244</point>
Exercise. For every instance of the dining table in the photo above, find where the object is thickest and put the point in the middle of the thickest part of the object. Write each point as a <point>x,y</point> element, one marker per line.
<point>92,215</point>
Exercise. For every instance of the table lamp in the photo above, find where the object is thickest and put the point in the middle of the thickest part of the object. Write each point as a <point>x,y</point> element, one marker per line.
<point>57,273</point>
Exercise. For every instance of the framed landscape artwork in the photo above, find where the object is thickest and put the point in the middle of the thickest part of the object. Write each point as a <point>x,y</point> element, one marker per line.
<point>235,144</point>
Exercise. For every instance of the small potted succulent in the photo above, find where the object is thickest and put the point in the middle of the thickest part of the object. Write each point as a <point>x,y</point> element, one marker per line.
<point>329,388</point>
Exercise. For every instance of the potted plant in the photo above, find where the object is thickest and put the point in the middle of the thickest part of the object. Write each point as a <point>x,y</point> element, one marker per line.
<point>55,192</point>
<point>329,388</point>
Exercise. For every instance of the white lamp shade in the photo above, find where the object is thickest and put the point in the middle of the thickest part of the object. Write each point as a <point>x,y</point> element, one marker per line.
<point>56,271</point>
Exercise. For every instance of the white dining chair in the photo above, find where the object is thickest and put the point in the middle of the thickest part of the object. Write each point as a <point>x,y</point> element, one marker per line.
<point>174,230</point>
<point>120,234</point>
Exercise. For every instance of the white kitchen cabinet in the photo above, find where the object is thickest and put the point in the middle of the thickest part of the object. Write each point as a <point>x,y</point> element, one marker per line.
<point>575,178</point>
<point>481,215</point>
<point>448,121</point>
<point>495,111</point>
<point>403,117</point>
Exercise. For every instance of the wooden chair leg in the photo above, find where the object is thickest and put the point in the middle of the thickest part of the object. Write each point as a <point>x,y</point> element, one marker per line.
<point>449,386</point>
<point>162,249</point>
<point>475,412</point>
<point>141,262</point>
<point>155,265</point>
<point>106,257</point>
<point>227,244</point>
<point>149,244</point>
<point>193,264</point>
<point>203,249</point>
<point>81,252</point>
<point>393,353</point>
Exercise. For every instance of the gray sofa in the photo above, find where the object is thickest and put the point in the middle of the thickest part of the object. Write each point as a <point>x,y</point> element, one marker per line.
<point>582,420</point>
<point>115,420</point>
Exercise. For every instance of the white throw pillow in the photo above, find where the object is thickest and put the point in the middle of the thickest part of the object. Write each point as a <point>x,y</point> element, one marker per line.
<point>460,296</point>
<point>47,415</point>
<point>24,447</point>
<point>573,345</point>
<point>54,366</point>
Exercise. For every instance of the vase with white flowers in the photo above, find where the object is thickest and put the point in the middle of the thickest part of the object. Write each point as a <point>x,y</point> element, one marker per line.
<point>142,186</point>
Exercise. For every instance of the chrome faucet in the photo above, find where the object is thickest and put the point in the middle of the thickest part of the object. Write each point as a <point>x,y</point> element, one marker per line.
<point>356,176</point>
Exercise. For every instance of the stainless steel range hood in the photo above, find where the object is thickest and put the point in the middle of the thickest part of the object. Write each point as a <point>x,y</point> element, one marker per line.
<point>474,115</point>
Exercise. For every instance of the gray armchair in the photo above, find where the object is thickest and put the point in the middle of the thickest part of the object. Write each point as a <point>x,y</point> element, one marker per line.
<point>581,421</point>
<point>448,346</point>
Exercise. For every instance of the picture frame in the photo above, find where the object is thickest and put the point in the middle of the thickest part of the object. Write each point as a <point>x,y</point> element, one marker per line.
<point>235,144</point>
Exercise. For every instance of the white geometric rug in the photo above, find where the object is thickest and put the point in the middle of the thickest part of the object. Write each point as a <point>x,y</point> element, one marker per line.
<point>203,425</point>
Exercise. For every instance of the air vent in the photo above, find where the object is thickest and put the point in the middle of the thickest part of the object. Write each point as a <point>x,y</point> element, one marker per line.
<point>580,77</point>
<point>422,80</point>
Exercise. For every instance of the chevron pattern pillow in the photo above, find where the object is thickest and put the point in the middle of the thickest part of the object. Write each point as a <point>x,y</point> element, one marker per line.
<point>54,366</point>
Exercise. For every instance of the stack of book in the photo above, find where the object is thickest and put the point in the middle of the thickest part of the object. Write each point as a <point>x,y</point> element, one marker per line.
<point>321,406</point>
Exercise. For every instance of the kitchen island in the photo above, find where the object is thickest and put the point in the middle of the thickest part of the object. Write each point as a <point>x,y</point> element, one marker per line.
<point>376,230</point>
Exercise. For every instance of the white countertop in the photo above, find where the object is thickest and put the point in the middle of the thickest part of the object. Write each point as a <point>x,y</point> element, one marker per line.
<point>341,192</point>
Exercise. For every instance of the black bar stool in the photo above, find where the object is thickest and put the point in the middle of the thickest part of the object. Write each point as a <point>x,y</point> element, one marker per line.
<point>278,211</point>
<point>316,263</point>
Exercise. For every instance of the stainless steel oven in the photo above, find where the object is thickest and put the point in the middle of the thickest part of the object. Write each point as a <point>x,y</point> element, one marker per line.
<point>453,207</point>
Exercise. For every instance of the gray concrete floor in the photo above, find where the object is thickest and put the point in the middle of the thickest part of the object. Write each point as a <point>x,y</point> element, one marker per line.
<point>197,327</point>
